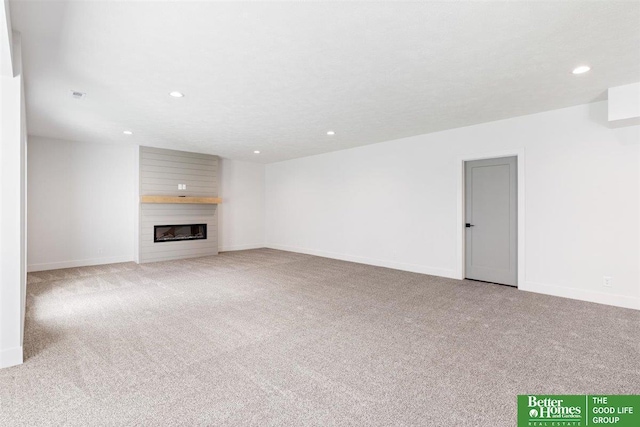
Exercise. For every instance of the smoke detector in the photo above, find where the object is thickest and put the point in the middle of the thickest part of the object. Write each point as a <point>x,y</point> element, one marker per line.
<point>77,95</point>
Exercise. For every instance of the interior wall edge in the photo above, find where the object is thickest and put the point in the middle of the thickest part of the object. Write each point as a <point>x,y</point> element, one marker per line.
<point>11,357</point>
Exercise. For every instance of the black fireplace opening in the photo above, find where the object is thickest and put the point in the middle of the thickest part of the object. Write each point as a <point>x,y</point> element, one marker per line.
<point>179,233</point>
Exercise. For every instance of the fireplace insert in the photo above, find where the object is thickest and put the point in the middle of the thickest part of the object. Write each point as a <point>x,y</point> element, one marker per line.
<point>179,233</point>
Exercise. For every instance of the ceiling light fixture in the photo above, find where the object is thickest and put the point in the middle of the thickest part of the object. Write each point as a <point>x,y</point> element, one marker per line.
<point>127,132</point>
<point>331,132</point>
<point>581,69</point>
<point>256,152</point>
<point>176,94</point>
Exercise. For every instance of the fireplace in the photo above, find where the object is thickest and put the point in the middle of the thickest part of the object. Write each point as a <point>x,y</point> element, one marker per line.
<point>179,233</point>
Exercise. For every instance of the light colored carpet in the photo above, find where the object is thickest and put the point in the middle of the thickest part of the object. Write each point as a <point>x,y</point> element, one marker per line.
<point>271,338</point>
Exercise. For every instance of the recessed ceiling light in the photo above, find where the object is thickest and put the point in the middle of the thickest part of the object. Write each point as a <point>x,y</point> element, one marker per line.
<point>581,69</point>
<point>256,152</point>
<point>128,132</point>
<point>331,132</point>
<point>176,94</point>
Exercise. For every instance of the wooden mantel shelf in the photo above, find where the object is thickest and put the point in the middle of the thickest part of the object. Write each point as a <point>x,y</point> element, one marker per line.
<point>185,199</point>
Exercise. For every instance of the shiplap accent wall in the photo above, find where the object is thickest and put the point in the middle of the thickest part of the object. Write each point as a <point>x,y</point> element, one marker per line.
<point>160,173</point>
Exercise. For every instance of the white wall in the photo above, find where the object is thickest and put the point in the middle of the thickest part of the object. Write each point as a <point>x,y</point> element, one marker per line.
<point>395,203</point>
<point>82,203</point>
<point>624,105</point>
<point>12,210</point>
<point>241,221</point>
<point>391,204</point>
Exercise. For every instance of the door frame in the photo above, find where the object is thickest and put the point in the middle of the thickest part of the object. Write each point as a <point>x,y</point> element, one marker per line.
<point>460,229</point>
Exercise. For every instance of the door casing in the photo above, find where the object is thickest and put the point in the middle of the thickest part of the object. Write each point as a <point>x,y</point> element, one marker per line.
<point>491,172</point>
<point>521,214</point>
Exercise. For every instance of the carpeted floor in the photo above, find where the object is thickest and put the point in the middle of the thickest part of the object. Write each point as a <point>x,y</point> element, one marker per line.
<point>272,338</point>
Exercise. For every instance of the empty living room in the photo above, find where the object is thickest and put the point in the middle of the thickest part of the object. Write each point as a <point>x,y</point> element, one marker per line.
<point>320,213</point>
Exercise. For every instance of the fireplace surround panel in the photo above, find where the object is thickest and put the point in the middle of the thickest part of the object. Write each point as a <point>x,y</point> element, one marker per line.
<point>162,173</point>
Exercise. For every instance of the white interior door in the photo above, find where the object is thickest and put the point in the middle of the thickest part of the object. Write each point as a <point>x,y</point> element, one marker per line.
<point>491,220</point>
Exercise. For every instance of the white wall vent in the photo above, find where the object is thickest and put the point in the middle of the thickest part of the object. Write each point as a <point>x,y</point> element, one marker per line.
<point>78,95</point>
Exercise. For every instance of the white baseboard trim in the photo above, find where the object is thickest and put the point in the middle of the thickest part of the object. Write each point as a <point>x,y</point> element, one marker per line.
<point>241,247</point>
<point>78,263</point>
<point>558,291</point>
<point>11,357</point>
<point>414,268</point>
<point>582,295</point>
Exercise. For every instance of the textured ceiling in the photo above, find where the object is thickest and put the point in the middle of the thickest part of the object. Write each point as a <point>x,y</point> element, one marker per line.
<point>276,77</point>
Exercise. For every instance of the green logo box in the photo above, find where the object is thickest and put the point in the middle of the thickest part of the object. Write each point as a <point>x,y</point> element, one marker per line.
<point>578,410</point>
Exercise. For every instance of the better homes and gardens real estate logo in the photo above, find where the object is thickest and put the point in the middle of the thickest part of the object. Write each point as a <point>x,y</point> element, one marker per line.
<point>578,410</point>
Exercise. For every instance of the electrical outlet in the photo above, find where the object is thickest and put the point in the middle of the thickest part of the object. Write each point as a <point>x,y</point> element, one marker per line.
<point>606,281</point>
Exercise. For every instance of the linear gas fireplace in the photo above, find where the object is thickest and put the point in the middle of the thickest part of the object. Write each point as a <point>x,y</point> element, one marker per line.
<point>179,233</point>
